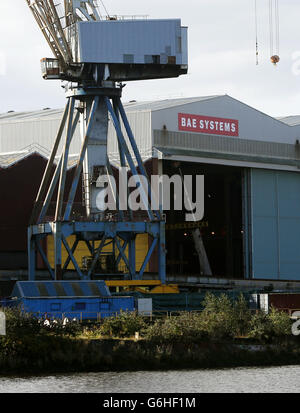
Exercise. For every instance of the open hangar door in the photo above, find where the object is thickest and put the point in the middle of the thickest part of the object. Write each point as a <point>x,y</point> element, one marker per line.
<point>274,224</point>
<point>221,227</point>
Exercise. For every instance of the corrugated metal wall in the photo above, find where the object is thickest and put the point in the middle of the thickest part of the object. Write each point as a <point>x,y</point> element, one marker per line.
<point>131,41</point>
<point>253,124</point>
<point>18,135</point>
<point>140,123</point>
<point>15,136</point>
<point>275,216</point>
<point>228,148</point>
<point>225,144</point>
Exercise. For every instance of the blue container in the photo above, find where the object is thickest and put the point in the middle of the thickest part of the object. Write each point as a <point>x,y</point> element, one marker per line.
<point>83,300</point>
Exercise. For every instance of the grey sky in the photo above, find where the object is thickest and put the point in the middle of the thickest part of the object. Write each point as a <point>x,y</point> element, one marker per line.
<point>221,55</point>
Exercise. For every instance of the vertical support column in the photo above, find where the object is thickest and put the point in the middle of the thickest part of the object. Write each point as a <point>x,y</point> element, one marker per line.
<point>246,204</point>
<point>31,255</point>
<point>121,152</point>
<point>95,155</point>
<point>228,220</point>
<point>132,256</point>
<point>63,173</point>
<point>57,250</point>
<point>162,252</point>
<point>47,174</point>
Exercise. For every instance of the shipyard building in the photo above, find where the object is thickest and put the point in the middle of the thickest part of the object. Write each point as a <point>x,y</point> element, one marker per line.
<point>250,162</point>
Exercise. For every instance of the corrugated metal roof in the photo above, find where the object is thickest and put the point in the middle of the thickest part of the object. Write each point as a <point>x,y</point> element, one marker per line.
<point>290,120</point>
<point>25,133</point>
<point>36,289</point>
<point>131,106</point>
<point>165,104</point>
<point>9,159</point>
<point>46,114</point>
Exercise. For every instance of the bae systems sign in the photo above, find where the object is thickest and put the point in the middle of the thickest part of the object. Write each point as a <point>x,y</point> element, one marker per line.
<point>208,124</point>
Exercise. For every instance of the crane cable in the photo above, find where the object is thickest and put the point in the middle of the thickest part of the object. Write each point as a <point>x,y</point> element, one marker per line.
<point>277,24</point>
<point>271,25</point>
<point>101,1</point>
<point>274,30</point>
<point>256,30</point>
<point>103,5</point>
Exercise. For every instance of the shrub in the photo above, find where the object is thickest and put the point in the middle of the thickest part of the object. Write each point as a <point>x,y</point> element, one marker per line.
<point>267,327</point>
<point>225,318</point>
<point>19,324</point>
<point>124,325</point>
<point>260,327</point>
<point>187,327</point>
<point>281,323</point>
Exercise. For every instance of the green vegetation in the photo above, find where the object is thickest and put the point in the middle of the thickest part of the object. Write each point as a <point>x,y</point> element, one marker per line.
<point>221,319</point>
<point>125,325</point>
<point>221,335</point>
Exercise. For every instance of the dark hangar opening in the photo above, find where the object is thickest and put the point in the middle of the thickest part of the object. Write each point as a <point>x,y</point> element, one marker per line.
<point>221,227</point>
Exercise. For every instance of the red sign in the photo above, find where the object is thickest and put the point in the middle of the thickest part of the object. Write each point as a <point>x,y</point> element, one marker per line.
<point>208,124</point>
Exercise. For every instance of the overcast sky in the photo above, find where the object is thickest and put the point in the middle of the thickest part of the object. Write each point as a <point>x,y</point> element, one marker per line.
<point>221,55</point>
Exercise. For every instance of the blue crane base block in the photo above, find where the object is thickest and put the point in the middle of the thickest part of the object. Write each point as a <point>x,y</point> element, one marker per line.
<point>83,300</point>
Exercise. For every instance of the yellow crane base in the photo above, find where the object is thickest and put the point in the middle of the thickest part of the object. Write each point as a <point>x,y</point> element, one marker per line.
<point>143,286</point>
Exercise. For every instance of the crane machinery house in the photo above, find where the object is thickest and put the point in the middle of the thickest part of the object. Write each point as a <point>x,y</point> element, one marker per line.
<point>131,42</point>
<point>127,49</point>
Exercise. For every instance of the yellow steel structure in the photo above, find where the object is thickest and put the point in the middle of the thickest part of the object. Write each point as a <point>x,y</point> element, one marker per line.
<point>150,286</point>
<point>82,251</point>
<point>144,286</point>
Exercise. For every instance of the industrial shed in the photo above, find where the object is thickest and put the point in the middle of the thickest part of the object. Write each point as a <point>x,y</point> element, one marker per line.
<point>71,299</point>
<point>250,162</point>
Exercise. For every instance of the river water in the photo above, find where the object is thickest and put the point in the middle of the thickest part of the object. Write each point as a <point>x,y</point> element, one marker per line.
<point>238,380</point>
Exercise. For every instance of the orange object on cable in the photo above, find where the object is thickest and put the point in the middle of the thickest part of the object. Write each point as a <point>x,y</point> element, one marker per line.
<point>275,59</point>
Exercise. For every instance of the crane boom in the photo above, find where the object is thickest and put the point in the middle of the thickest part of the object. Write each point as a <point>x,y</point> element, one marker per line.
<point>55,19</point>
<point>45,14</point>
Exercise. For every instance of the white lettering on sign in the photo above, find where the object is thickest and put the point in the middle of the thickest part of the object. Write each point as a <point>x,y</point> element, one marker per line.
<point>208,124</point>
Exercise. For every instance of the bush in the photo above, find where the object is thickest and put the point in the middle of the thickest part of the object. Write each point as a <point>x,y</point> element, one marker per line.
<point>260,327</point>
<point>19,324</point>
<point>267,327</point>
<point>124,325</point>
<point>281,323</point>
<point>221,318</point>
<point>57,328</point>
<point>187,327</point>
<point>225,318</point>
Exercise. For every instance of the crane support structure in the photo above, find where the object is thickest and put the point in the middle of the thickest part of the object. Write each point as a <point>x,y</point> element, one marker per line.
<point>119,231</point>
<point>76,34</point>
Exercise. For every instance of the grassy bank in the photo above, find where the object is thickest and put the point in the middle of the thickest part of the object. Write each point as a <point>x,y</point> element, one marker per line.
<point>225,334</point>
